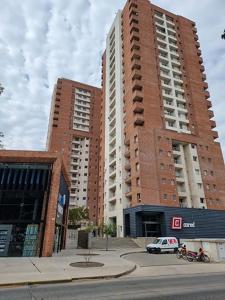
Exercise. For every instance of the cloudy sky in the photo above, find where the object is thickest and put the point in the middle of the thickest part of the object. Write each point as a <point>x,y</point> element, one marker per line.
<point>41,40</point>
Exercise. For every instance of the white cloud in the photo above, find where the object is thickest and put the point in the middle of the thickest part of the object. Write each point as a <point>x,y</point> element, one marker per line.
<point>42,40</point>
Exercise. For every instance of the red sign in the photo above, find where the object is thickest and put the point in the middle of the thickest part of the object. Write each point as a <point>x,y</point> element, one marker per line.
<point>176,223</point>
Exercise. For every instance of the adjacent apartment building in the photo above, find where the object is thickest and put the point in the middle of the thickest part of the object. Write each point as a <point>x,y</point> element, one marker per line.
<point>158,148</point>
<point>74,131</point>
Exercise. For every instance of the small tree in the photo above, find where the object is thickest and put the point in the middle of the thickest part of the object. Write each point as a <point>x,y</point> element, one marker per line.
<point>77,214</point>
<point>108,229</point>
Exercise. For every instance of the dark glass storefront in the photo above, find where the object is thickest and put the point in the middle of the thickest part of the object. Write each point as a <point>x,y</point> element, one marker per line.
<point>24,189</point>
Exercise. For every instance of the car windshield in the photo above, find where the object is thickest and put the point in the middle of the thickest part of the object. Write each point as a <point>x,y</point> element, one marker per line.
<point>157,241</point>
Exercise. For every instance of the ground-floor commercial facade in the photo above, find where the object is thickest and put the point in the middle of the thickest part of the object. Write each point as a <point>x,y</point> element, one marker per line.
<point>34,198</point>
<point>183,223</point>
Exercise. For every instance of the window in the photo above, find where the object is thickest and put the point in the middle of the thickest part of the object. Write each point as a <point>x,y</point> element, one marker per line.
<point>162,166</point>
<point>214,187</point>
<point>197,171</point>
<point>199,186</point>
<point>138,196</point>
<point>172,182</point>
<point>174,197</point>
<point>138,181</point>
<point>164,242</point>
<point>209,159</point>
<point>205,172</point>
<point>202,200</point>
<point>163,180</point>
<point>160,152</point>
<point>135,138</point>
<point>211,173</point>
<point>195,158</point>
<point>208,187</point>
<point>164,196</point>
<point>136,152</point>
<point>137,166</point>
<point>192,146</point>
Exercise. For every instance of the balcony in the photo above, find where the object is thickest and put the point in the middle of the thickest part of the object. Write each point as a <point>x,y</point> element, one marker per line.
<point>139,120</point>
<point>134,29</point>
<point>199,52</point>
<point>202,68</point>
<point>196,37</point>
<point>197,44</point>
<point>134,37</point>
<point>203,77</point>
<point>134,20</point>
<point>207,94</point>
<point>135,56</point>
<point>136,65</point>
<point>135,47</point>
<point>208,103</point>
<point>215,134</point>
<point>211,114</point>
<point>138,108</point>
<point>136,86</point>
<point>132,5</point>
<point>127,142</point>
<point>127,154</point>
<point>128,179</point>
<point>136,76</point>
<point>128,194</point>
<point>127,167</point>
<point>205,86</point>
<point>212,124</point>
<point>137,96</point>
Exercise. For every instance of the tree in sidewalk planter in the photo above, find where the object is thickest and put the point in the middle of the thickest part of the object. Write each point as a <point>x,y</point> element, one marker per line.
<point>108,229</point>
<point>78,214</point>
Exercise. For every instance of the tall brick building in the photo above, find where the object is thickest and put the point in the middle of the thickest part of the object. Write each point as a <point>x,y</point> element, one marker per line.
<point>74,131</point>
<point>158,143</point>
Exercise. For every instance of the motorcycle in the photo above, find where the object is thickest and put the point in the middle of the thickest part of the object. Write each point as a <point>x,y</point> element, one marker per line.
<point>200,257</point>
<point>182,253</point>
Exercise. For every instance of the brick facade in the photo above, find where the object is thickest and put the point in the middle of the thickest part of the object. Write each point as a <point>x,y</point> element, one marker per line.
<point>148,142</point>
<point>61,132</point>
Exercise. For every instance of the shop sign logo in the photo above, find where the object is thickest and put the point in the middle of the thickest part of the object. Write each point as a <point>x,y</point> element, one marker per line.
<point>176,223</point>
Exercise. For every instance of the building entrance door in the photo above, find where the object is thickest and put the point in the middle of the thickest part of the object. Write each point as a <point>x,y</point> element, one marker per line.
<point>151,225</point>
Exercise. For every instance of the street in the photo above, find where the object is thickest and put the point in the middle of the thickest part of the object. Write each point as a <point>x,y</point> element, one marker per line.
<point>164,287</point>
<point>144,259</point>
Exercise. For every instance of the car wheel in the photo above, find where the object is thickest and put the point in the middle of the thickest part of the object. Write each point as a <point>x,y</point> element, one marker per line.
<point>175,250</point>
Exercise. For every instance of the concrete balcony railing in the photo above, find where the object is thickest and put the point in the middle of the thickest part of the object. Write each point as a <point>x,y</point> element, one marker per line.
<point>139,120</point>
<point>211,114</point>
<point>137,96</point>
<point>208,103</point>
<point>212,124</point>
<point>138,108</point>
<point>215,134</point>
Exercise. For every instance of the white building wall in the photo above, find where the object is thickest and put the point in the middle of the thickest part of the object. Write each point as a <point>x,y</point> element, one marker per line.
<point>114,199</point>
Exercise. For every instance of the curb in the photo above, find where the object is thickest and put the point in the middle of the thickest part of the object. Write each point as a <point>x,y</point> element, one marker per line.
<point>107,276</point>
<point>121,255</point>
<point>67,280</point>
<point>22,283</point>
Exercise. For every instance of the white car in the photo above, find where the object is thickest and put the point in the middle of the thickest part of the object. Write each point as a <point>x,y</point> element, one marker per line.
<point>163,244</point>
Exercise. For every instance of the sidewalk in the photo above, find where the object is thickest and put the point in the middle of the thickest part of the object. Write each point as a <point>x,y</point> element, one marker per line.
<point>33,270</point>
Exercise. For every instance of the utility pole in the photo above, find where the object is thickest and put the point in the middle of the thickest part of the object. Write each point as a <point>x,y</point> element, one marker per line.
<point>1,133</point>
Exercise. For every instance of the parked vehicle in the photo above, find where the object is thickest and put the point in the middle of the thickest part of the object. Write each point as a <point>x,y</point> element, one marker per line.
<point>201,256</point>
<point>163,244</point>
<point>182,252</point>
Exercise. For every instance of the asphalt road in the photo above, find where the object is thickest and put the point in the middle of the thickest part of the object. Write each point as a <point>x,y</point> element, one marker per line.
<point>145,259</point>
<point>165,287</point>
